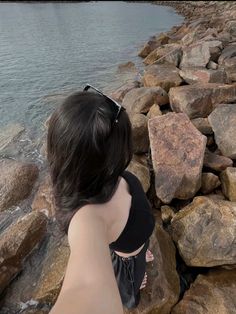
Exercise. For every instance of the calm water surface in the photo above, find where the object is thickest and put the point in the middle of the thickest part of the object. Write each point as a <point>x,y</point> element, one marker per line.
<point>53,48</point>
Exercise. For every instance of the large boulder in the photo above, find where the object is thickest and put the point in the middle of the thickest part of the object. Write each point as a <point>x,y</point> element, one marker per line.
<point>163,75</point>
<point>223,122</point>
<point>140,133</point>
<point>152,44</point>
<point>204,232</point>
<point>162,291</point>
<point>140,100</point>
<point>120,92</point>
<point>198,100</point>
<point>177,149</point>
<point>228,181</point>
<point>228,61</point>
<point>195,75</point>
<point>171,53</point>
<point>211,293</point>
<point>17,242</point>
<point>200,53</point>
<point>16,182</point>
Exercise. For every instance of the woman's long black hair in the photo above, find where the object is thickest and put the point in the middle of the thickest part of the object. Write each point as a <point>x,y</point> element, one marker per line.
<point>86,153</point>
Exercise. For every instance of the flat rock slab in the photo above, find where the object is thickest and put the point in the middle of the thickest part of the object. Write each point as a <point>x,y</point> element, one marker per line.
<point>211,293</point>
<point>177,149</point>
<point>223,123</point>
<point>205,232</point>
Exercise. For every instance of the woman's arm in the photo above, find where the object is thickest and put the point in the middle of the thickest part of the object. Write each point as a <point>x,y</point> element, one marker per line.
<point>89,284</point>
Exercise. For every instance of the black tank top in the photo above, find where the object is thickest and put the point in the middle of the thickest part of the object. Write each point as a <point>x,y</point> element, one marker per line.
<point>141,221</point>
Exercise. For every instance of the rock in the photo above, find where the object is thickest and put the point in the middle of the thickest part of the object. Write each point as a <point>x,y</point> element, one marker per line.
<point>230,27</point>
<point>167,213</point>
<point>16,182</point>
<point>163,75</point>
<point>198,100</point>
<point>171,53</point>
<point>162,291</point>
<point>152,44</point>
<point>228,61</point>
<point>215,161</point>
<point>177,149</point>
<point>211,293</point>
<point>17,242</point>
<point>210,182</point>
<point>44,200</point>
<point>228,181</point>
<point>194,75</point>
<point>52,274</point>
<point>195,55</point>
<point>154,111</point>
<point>204,232</point>
<point>140,100</point>
<point>212,66</point>
<point>128,66</point>
<point>8,134</point>
<point>141,170</point>
<point>203,125</point>
<point>119,93</point>
<point>140,133</point>
<point>223,122</point>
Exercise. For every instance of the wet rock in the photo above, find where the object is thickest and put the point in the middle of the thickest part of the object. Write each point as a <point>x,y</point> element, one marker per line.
<point>204,232</point>
<point>198,100</point>
<point>16,182</point>
<point>119,94</point>
<point>154,111</point>
<point>163,75</point>
<point>162,291</point>
<point>228,181</point>
<point>128,66</point>
<point>223,122</point>
<point>210,182</point>
<point>177,155</point>
<point>17,242</point>
<point>52,274</point>
<point>203,125</point>
<point>211,293</point>
<point>140,133</point>
<point>194,75</point>
<point>8,134</point>
<point>44,200</point>
<point>215,161</point>
<point>140,168</point>
<point>140,100</point>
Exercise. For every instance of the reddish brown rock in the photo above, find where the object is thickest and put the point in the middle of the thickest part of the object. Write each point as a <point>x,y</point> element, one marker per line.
<point>154,111</point>
<point>204,232</point>
<point>152,44</point>
<point>140,133</point>
<point>163,288</point>
<point>203,125</point>
<point>215,161</point>
<point>17,242</point>
<point>177,155</point>
<point>228,181</point>
<point>43,200</point>
<point>163,75</point>
<point>170,53</point>
<point>198,100</point>
<point>211,293</point>
<point>140,100</point>
<point>210,182</point>
<point>52,274</point>
<point>223,122</point>
<point>119,94</point>
<point>194,75</point>
<point>16,182</point>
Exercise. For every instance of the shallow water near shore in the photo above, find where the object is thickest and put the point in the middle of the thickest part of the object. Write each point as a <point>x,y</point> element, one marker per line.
<point>49,49</point>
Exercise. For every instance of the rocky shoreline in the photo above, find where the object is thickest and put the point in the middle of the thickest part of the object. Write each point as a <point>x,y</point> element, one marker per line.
<point>183,114</point>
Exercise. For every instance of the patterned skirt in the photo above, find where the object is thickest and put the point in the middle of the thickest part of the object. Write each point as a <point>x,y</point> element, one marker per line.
<point>129,273</point>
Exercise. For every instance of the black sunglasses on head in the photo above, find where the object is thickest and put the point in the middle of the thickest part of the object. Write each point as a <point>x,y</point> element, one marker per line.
<point>117,106</point>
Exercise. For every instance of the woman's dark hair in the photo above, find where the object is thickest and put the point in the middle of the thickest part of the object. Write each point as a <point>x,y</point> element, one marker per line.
<point>86,154</point>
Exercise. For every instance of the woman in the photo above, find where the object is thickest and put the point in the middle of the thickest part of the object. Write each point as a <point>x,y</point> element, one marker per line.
<point>100,205</point>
